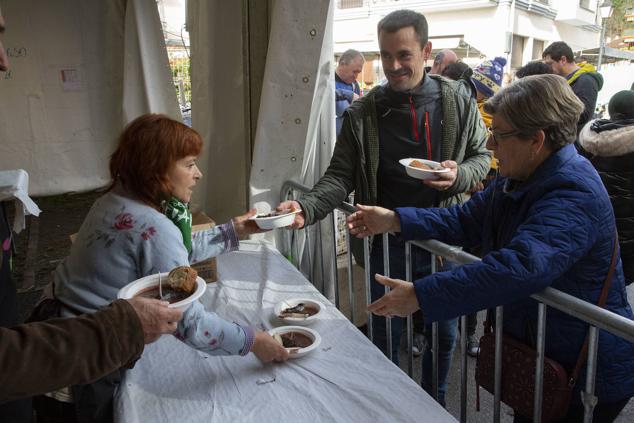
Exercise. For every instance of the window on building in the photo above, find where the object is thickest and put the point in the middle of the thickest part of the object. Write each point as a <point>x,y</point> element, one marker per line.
<point>585,4</point>
<point>349,4</point>
<point>538,49</point>
<point>518,51</point>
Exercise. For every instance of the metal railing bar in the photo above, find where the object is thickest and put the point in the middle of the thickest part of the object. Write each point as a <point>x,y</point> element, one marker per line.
<point>463,367</point>
<point>497,395</point>
<point>386,272</point>
<point>567,303</point>
<point>351,299</point>
<point>410,329</point>
<point>434,343</point>
<point>368,292</point>
<point>334,259</point>
<point>539,362</point>
<point>588,398</point>
<point>321,260</point>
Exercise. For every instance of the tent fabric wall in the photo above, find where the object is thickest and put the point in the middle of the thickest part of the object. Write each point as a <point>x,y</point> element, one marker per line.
<point>296,122</point>
<point>113,55</point>
<point>219,106</point>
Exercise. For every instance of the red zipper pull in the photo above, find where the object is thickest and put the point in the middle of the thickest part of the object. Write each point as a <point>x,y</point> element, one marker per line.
<point>414,120</point>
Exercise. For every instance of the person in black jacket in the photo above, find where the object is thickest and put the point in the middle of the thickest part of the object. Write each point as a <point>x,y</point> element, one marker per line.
<point>610,144</point>
<point>583,78</point>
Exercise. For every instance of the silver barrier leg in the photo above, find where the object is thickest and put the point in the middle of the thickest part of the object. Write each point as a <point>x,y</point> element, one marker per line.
<point>410,328</point>
<point>434,343</point>
<point>311,270</point>
<point>587,397</point>
<point>334,258</point>
<point>320,247</point>
<point>368,293</point>
<point>386,272</point>
<point>539,364</point>
<point>463,369</point>
<point>497,396</point>
<point>350,277</point>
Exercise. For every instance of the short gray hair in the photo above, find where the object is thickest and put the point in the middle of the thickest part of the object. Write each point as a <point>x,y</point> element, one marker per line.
<point>349,56</point>
<point>537,102</point>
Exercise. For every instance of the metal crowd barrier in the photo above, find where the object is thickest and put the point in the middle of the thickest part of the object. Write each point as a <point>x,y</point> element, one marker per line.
<point>596,317</point>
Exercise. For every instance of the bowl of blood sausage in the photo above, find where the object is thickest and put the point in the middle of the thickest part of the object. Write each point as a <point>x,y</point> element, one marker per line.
<point>180,287</point>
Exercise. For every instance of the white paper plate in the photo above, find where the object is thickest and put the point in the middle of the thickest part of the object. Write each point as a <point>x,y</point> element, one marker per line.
<point>419,173</point>
<point>282,305</point>
<point>273,222</point>
<point>303,330</point>
<point>133,288</point>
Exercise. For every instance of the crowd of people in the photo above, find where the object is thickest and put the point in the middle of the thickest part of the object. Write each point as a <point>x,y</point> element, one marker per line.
<point>534,186</point>
<point>536,210</point>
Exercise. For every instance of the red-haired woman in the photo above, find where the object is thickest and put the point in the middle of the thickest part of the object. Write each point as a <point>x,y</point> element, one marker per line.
<point>142,226</point>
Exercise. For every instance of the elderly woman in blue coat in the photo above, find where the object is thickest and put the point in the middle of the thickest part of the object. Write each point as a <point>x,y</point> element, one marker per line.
<point>546,220</point>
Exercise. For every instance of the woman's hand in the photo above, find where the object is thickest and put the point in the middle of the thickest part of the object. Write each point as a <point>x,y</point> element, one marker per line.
<point>245,227</point>
<point>400,301</point>
<point>371,220</point>
<point>268,349</point>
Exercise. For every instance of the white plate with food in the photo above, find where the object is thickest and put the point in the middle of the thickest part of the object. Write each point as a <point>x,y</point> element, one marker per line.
<point>275,219</point>
<point>181,287</point>
<point>423,169</point>
<point>298,340</point>
<point>298,311</point>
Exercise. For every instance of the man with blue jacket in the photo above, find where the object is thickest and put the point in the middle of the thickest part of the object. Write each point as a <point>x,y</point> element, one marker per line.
<point>346,86</point>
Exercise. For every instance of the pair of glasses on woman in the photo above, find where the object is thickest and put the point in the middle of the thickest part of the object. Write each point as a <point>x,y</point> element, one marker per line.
<point>497,136</point>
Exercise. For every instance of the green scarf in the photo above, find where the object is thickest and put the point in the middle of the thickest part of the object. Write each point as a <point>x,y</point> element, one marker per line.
<point>179,213</point>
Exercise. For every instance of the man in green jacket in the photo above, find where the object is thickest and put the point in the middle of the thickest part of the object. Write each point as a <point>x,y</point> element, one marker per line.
<point>414,115</point>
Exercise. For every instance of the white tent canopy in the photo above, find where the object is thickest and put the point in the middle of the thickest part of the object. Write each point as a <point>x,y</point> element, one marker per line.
<point>80,70</point>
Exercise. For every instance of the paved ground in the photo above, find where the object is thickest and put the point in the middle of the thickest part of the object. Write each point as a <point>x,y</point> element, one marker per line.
<point>45,243</point>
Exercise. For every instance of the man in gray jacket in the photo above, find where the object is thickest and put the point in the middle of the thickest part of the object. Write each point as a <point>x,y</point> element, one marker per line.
<point>414,115</point>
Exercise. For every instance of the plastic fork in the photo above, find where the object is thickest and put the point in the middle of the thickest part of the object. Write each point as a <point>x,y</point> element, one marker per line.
<point>160,286</point>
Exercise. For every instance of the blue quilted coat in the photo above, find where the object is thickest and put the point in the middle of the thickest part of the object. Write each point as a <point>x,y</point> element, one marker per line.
<point>555,229</point>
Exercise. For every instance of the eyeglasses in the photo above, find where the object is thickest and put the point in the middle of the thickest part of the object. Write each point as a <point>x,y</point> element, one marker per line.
<point>497,136</point>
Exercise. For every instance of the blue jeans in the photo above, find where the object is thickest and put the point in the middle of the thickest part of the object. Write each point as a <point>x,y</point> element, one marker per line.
<point>446,328</point>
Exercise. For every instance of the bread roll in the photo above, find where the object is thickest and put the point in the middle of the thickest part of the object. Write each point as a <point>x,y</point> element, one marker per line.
<point>183,278</point>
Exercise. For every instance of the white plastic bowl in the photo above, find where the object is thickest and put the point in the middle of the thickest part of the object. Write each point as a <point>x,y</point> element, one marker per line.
<point>419,173</point>
<point>133,288</point>
<point>282,305</point>
<point>273,222</point>
<point>312,334</point>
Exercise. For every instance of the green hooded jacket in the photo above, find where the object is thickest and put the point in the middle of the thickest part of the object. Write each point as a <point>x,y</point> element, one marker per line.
<point>355,160</point>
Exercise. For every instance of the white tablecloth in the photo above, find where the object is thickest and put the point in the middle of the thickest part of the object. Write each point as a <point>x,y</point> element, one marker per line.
<point>346,379</point>
<point>14,184</point>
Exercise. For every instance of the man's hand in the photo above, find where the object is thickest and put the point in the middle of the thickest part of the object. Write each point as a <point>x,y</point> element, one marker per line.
<point>156,318</point>
<point>299,221</point>
<point>268,349</point>
<point>400,301</point>
<point>371,220</point>
<point>446,179</point>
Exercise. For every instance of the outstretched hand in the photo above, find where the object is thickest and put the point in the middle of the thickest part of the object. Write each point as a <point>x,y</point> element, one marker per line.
<point>268,349</point>
<point>244,226</point>
<point>400,301</point>
<point>372,220</point>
